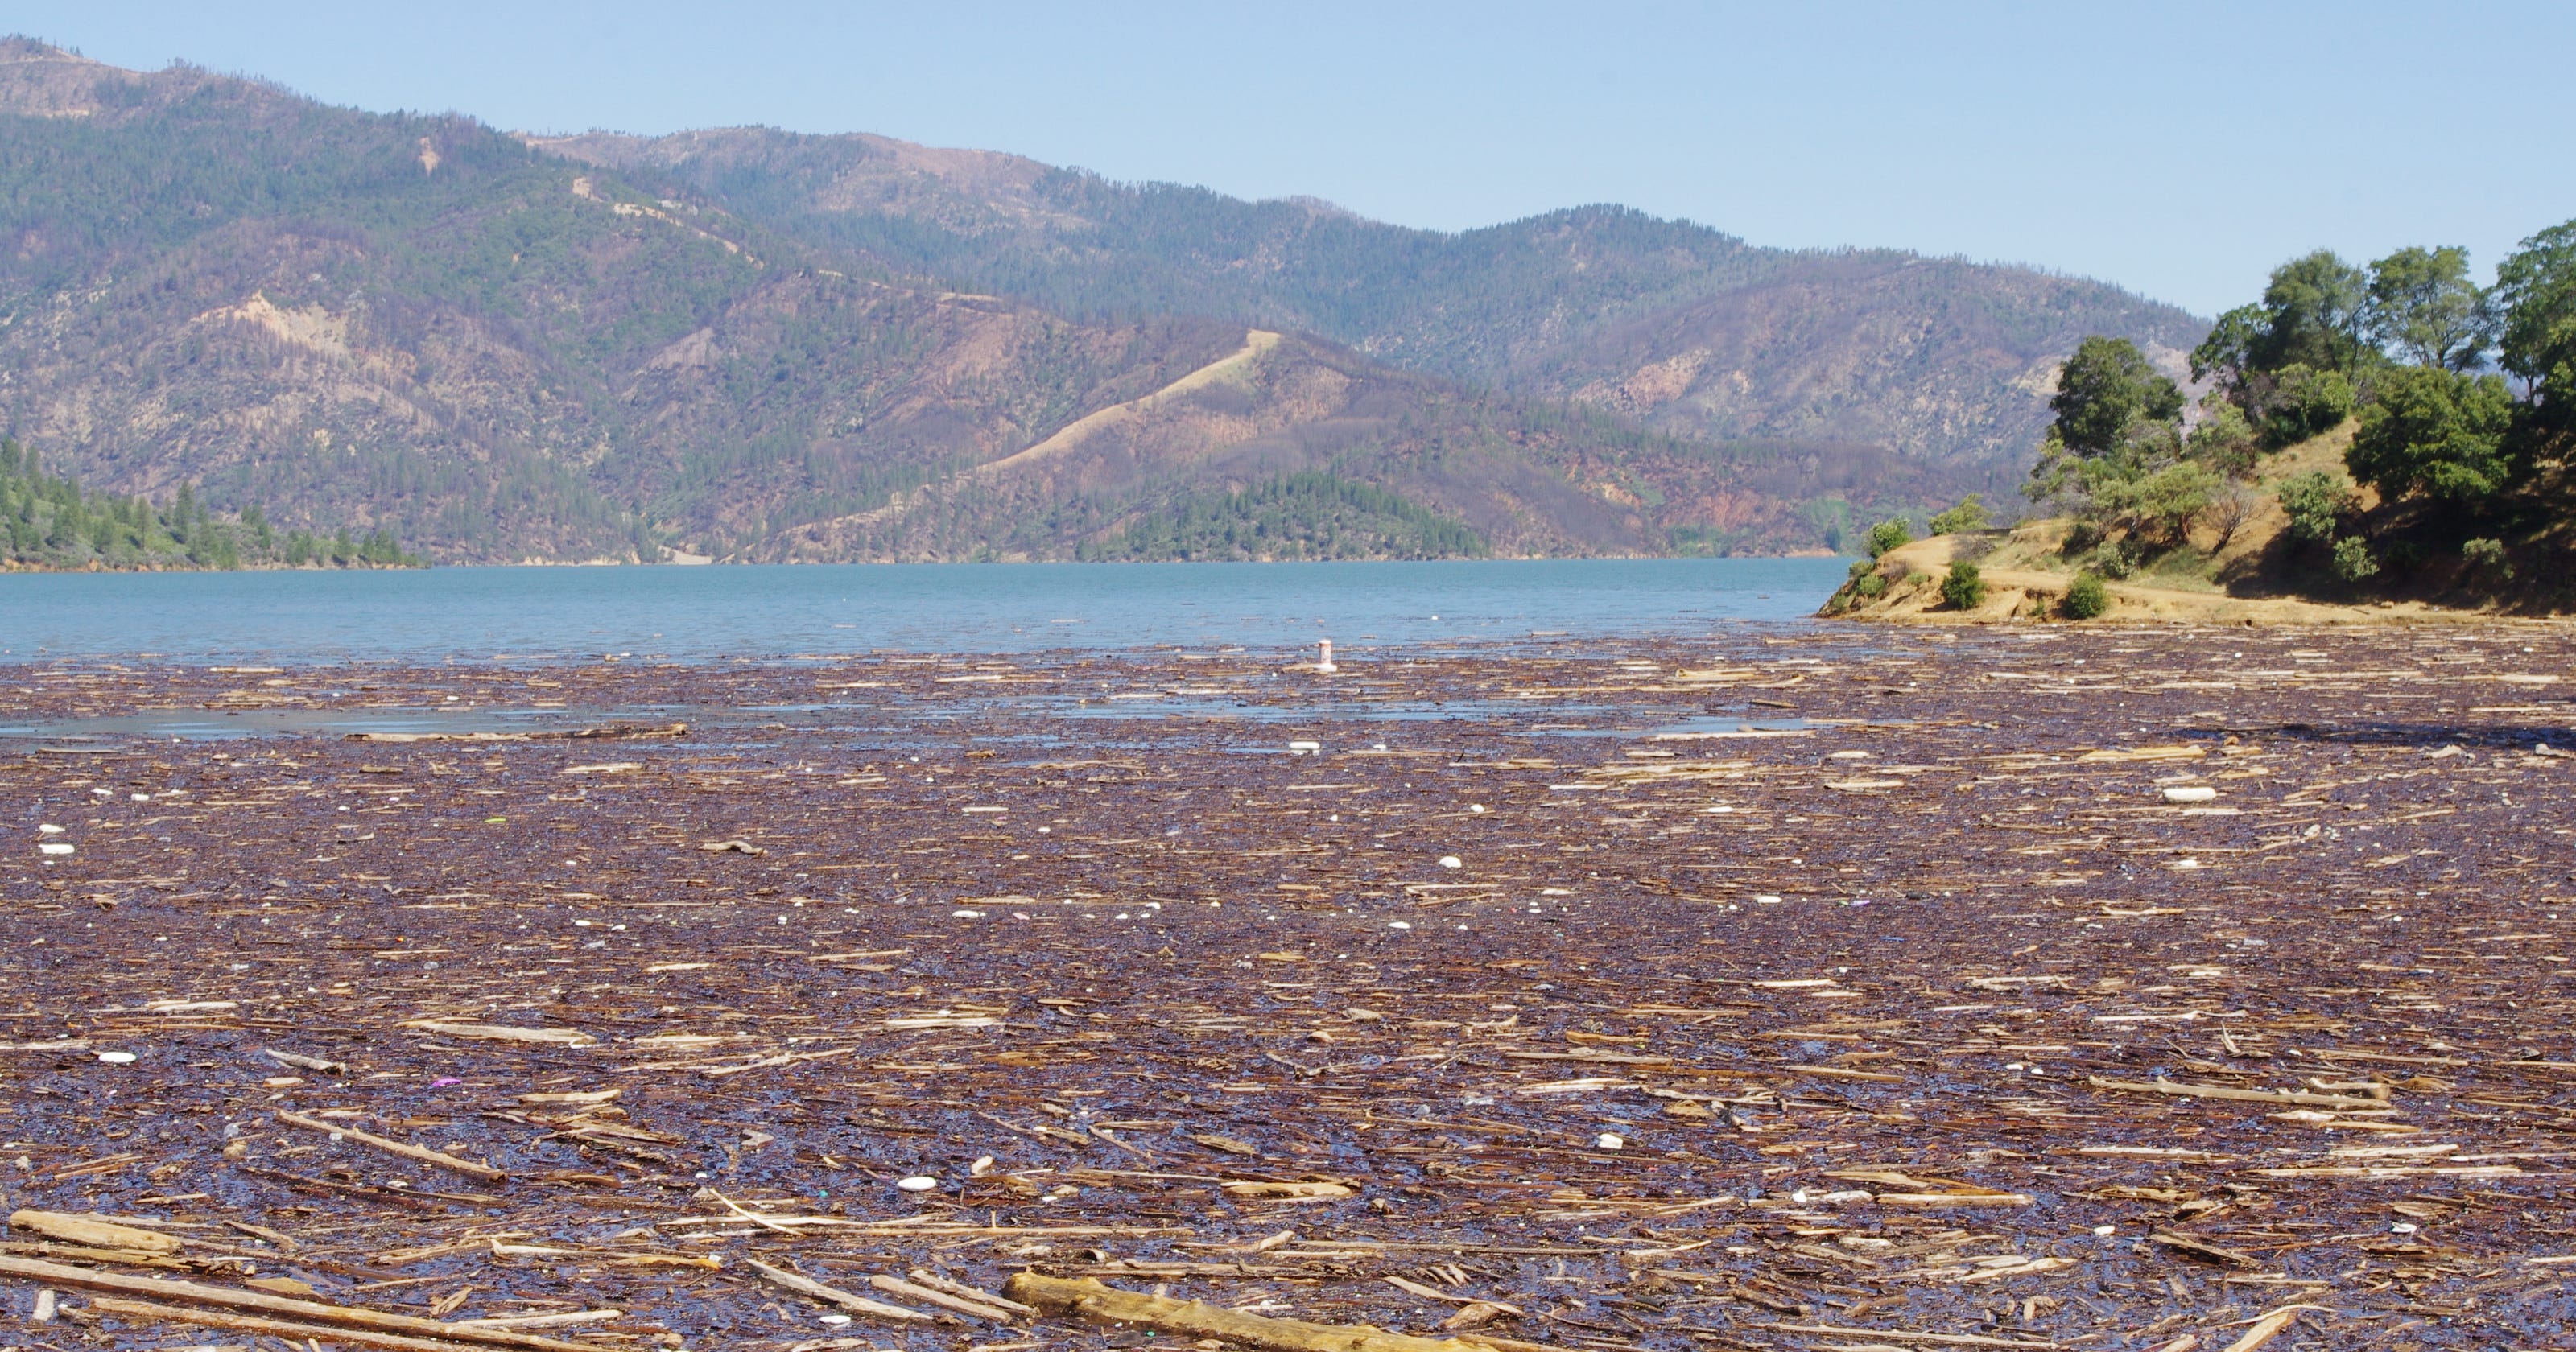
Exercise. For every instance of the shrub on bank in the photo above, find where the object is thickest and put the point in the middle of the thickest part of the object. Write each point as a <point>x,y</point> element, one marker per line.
<point>2086,597</point>
<point>1965,586</point>
<point>2316,503</point>
<point>2486,558</point>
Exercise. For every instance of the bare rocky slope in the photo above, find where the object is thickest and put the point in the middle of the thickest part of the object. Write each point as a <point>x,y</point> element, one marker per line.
<point>505,351</point>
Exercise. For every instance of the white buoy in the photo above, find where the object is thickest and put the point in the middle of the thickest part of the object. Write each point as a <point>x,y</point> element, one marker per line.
<point>1325,663</point>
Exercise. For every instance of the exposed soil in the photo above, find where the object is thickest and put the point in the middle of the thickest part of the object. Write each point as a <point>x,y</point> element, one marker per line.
<point>1835,987</point>
<point>2026,581</point>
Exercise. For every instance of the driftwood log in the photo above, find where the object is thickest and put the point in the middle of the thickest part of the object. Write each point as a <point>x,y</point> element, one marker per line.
<point>179,1296</point>
<point>1197,1319</point>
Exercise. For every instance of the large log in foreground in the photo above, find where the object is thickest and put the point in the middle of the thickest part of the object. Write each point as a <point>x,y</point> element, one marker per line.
<point>1108,1304</point>
<point>153,1312</point>
<point>348,1316</point>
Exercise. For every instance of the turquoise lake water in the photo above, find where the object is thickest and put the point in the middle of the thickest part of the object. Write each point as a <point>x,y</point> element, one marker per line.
<point>714,613</point>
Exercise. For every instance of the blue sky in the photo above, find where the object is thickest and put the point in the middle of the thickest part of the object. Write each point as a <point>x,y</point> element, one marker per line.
<point>2177,149</point>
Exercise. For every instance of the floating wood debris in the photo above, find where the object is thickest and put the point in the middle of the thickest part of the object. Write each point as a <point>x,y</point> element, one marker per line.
<point>1512,1014</point>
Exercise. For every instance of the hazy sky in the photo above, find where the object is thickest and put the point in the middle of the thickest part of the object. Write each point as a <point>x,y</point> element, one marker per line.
<point>2177,149</point>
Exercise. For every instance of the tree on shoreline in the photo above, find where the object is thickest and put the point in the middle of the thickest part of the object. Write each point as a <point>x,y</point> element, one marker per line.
<point>2536,288</point>
<point>2424,307</point>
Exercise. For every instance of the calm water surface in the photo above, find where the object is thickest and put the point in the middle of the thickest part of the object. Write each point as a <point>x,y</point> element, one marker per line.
<point>721,612</point>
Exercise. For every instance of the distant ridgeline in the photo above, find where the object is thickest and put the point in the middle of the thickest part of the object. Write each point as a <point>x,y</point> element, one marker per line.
<point>764,347</point>
<point>52,522</point>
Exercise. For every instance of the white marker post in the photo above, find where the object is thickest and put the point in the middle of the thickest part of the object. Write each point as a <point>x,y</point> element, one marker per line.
<point>1325,663</point>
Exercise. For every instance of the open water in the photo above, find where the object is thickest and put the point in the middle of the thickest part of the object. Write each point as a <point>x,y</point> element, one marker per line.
<point>714,613</point>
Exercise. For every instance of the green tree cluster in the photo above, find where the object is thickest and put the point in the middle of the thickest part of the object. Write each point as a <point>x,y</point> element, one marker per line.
<point>2409,343</point>
<point>1309,515</point>
<point>2406,342</point>
<point>2117,459</point>
<point>51,521</point>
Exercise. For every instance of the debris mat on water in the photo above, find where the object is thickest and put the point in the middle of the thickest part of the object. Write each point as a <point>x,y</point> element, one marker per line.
<point>1795,988</point>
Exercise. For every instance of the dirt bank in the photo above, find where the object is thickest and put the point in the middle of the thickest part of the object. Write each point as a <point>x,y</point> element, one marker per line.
<point>2026,582</point>
<point>2255,572</point>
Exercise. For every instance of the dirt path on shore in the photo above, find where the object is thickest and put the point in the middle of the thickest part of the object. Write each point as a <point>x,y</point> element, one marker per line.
<point>2013,592</point>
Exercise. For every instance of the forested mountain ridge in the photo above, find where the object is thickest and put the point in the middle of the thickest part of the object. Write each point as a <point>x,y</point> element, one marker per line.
<point>421,326</point>
<point>1677,326</point>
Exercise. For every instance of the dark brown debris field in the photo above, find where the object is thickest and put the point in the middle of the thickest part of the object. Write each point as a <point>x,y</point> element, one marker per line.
<point>1815,988</point>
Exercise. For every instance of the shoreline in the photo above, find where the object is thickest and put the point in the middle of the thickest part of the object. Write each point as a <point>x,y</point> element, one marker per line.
<point>1360,660</point>
<point>97,569</point>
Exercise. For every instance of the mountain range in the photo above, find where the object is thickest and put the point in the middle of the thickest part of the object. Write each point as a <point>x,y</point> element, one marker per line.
<point>759,345</point>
